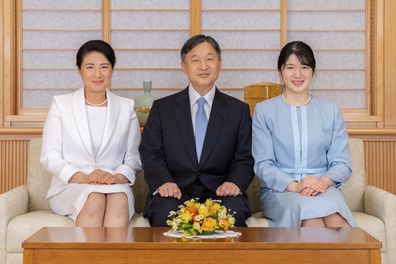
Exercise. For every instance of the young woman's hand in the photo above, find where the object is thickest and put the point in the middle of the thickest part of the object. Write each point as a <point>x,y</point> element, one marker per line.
<point>310,185</point>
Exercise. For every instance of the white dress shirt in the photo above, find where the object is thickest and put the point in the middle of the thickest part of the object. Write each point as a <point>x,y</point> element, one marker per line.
<point>194,96</point>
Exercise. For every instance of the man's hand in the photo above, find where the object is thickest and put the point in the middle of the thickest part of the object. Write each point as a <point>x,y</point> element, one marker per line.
<point>170,189</point>
<point>228,189</point>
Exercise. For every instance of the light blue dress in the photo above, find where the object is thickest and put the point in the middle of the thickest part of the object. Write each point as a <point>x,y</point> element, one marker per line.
<point>291,142</point>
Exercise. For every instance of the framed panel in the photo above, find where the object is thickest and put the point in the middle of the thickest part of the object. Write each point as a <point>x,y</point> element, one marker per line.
<point>147,38</point>
<point>51,32</point>
<point>337,33</point>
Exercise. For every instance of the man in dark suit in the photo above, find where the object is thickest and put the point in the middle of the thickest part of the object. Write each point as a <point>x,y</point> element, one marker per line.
<point>197,142</point>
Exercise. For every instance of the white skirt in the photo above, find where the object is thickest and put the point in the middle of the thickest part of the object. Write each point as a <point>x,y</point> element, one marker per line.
<point>71,200</point>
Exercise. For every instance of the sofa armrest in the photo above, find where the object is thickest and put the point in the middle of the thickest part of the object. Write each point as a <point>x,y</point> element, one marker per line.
<point>382,204</point>
<point>12,203</point>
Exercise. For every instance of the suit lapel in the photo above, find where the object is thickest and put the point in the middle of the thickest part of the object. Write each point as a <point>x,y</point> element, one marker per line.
<point>112,115</point>
<point>218,116</point>
<point>81,120</point>
<point>183,119</point>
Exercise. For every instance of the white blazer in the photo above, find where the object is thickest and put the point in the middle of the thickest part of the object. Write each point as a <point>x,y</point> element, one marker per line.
<point>67,146</point>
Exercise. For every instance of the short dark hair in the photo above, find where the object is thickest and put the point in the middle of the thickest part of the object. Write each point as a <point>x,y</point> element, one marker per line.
<point>195,41</point>
<point>303,52</point>
<point>98,46</point>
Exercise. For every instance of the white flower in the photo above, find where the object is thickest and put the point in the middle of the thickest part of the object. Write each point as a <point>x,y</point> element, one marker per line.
<point>172,213</point>
<point>199,217</point>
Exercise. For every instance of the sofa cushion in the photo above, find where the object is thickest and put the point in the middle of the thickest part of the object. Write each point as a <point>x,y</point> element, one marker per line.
<point>353,190</point>
<point>257,220</point>
<point>253,193</point>
<point>38,179</point>
<point>372,225</point>
<point>140,191</point>
<point>139,221</point>
<point>14,258</point>
<point>23,226</point>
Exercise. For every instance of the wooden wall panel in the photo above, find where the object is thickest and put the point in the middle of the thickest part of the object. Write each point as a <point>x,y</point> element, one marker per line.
<point>1,68</point>
<point>13,163</point>
<point>390,63</point>
<point>380,164</point>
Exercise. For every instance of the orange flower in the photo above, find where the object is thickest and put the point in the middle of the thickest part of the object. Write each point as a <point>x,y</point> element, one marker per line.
<point>224,223</point>
<point>192,209</point>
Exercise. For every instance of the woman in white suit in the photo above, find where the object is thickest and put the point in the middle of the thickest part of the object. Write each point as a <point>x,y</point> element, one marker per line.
<point>90,146</point>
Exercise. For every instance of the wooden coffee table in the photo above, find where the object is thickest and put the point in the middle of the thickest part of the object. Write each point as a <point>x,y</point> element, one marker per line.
<point>148,245</point>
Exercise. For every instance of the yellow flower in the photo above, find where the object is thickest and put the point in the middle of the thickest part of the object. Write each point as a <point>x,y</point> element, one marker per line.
<point>214,208</point>
<point>197,226</point>
<point>231,220</point>
<point>185,217</point>
<point>209,224</point>
<point>191,202</point>
<point>203,211</point>
<point>208,203</point>
<point>194,218</point>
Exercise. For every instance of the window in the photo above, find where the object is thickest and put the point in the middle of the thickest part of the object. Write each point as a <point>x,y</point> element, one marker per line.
<point>147,37</point>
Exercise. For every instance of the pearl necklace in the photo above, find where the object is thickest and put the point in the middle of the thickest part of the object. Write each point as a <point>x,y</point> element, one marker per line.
<point>306,102</point>
<point>97,105</point>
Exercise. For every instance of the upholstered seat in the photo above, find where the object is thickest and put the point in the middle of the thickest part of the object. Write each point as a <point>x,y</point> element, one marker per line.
<point>24,210</point>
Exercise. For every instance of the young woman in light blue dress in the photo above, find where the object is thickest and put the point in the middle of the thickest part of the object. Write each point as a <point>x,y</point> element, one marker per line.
<point>300,147</point>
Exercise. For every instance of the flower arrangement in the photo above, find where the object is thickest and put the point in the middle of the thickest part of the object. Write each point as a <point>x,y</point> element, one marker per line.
<point>194,218</point>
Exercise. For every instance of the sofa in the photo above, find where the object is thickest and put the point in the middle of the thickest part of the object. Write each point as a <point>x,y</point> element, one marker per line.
<point>24,210</point>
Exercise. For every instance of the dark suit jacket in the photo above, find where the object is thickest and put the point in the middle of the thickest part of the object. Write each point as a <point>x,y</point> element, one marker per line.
<point>168,151</point>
